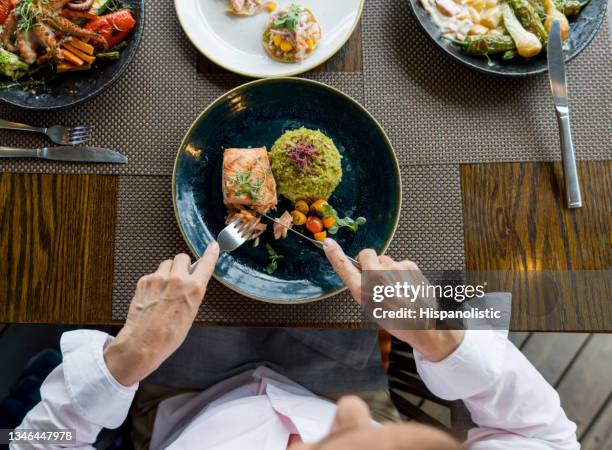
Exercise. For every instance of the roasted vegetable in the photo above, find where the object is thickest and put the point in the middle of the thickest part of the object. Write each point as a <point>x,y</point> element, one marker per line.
<point>107,56</point>
<point>538,8</point>
<point>554,14</point>
<point>529,18</point>
<point>527,44</point>
<point>486,44</point>
<point>113,27</point>
<point>569,7</point>
<point>12,65</point>
<point>510,54</point>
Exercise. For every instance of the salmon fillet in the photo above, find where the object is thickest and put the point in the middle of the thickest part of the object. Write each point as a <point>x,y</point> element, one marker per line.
<point>248,180</point>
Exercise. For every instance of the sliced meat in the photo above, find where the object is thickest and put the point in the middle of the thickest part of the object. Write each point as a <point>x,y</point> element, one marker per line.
<point>246,7</point>
<point>25,44</point>
<point>282,224</point>
<point>244,215</point>
<point>61,23</point>
<point>46,39</point>
<point>8,33</point>
<point>248,179</point>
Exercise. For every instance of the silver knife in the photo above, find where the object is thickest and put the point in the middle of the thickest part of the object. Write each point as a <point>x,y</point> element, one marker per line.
<point>558,85</point>
<point>303,236</point>
<point>66,153</point>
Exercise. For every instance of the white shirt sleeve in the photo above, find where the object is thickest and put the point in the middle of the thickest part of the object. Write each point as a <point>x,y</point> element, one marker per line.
<point>80,394</point>
<point>512,405</point>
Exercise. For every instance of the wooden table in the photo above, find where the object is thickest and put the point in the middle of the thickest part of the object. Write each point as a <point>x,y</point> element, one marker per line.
<point>56,265</point>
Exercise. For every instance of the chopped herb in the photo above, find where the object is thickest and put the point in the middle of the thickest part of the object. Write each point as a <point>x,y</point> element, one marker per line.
<point>246,186</point>
<point>347,222</point>
<point>273,257</point>
<point>116,5</point>
<point>25,12</point>
<point>289,19</point>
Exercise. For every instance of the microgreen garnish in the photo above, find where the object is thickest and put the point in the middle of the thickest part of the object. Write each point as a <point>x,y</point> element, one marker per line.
<point>347,222</point>
<point>273,257</point>
<point>246,187</point>
<point>26,14</point>
<point>289,19</point>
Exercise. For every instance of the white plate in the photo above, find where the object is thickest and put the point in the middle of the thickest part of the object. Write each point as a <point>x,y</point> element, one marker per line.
<point>235,43</point>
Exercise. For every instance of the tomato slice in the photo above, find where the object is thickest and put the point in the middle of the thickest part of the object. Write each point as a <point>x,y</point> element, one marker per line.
<point>6,6</point>
<point>114,27</point>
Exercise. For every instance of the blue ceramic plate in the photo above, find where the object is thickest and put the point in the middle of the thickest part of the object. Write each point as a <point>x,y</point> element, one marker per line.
<point>256,114</point>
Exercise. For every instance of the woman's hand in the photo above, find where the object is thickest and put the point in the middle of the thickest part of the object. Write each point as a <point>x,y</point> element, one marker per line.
<point>162,311</point>
<point>434,345</point>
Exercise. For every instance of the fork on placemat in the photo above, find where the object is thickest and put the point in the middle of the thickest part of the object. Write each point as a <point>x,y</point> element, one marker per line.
<point>232,236</point>
<point>75,135</point>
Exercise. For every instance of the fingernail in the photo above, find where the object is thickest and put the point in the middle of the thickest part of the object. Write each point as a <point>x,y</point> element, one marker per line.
<point>213,244</point>
<point>328,241</point>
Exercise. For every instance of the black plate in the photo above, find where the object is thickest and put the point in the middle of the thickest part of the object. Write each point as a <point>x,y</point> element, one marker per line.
<point>70,89</point>
<point>583,28</point>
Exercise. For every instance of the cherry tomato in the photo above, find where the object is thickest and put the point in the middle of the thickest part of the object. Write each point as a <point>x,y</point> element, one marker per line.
<point>317,207</point>
<point>299,218</point>
<point>320,236</point>
<point>329,221</point>
<point>301,206</point>
<point>314,224</point>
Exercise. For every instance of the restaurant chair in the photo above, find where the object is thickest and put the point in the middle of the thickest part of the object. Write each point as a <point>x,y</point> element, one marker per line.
<point>405,387</point>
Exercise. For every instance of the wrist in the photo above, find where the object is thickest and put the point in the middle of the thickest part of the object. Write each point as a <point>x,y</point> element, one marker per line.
<point>125,364</point>
<point>436,345</point>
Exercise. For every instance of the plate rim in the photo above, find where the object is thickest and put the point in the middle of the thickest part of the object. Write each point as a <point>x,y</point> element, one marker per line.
<point>129,59</point>
<point>291,80</point>
<point>413,4</point>
<point>302,67</point>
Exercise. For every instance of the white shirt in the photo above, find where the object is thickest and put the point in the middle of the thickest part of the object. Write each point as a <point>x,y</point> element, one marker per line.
<point>512,405</point>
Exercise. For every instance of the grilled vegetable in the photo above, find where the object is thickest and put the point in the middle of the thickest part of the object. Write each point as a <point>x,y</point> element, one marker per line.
<point>114,27</point>
<point>529,18</point>
<point>486,44</point>
<point>538,8</point>
<point>569,7</point>
<point>302,206</point>
<point>527,44</point>
<point>108,56</point>
<point>554,14</point>
<point>12,65</point>
<point>510,54</point>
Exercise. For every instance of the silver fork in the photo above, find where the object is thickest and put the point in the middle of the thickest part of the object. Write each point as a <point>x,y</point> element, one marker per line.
<point>231,237</point>
<point>75,135</point>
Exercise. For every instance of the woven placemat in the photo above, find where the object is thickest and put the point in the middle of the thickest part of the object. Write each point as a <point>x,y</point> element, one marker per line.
<point>430,233</point>
<point>438,111</point>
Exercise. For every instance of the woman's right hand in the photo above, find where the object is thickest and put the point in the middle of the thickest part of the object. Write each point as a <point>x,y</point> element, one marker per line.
<point>434,345</point>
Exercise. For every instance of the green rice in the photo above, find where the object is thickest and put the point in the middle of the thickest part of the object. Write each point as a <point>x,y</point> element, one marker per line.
<point>318,179</point>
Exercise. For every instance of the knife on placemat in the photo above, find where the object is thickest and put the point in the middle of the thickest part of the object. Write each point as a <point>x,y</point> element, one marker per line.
<point>558,85</point>
<point>66,153</point>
